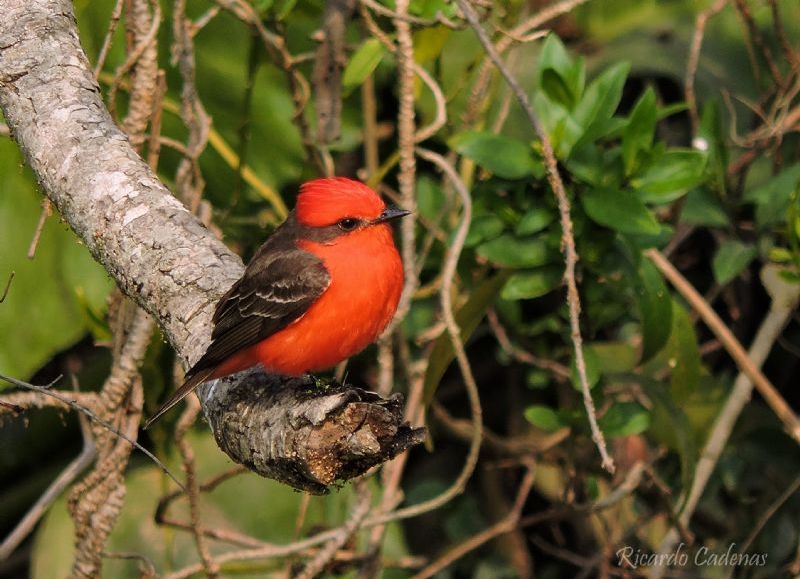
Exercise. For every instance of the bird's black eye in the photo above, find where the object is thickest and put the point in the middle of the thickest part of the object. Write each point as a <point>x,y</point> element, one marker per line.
<point>348,224</point>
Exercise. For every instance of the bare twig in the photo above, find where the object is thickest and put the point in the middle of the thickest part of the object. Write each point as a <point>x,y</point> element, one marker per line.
<point>519,445</point>
<point>558,370</point>
<point>8,286</point>
<point>112,28</point>
<point>790,491</point>
<point>329,61</point>
<point>567,239</point>
<point>440,119</point>
<point>298,85</point>
<point>96,501</point>
<point>188,177</point>
<point>146,566</point>
<point>185,422</point>
<point>47,210</point>
<point>145,43</point>
<point>405,17</point>
<point>441,106</point>
<point>694,58</point>
<point>755,33</point>
<point>448,273</point>
<point>731,344</point>
<point>326,553</point>
<point>61,482</point>
<point>522,30</point>
<point>65,398</point>
<point>408,162</point>
<point>784,300</point>
<point>501,527</point>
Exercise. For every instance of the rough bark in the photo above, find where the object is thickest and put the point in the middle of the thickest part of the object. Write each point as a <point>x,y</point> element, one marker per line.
<point>155,249</point>
<point>315,434</point>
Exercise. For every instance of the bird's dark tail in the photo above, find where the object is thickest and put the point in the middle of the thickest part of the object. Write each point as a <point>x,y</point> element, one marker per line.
<point>191,383</point>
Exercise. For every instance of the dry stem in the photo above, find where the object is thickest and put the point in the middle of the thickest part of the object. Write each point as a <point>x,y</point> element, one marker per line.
<point>567,239</point>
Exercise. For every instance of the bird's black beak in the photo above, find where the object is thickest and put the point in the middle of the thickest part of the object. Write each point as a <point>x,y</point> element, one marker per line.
<point>392,213</point>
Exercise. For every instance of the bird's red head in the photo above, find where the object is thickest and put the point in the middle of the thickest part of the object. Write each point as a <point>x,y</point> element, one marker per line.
<point>323,202</point>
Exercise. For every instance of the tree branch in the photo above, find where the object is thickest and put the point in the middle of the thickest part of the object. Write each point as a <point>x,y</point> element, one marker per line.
<point>156,250</point>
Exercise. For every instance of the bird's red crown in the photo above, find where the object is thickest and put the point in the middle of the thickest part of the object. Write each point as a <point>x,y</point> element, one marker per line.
<point>323,202</point>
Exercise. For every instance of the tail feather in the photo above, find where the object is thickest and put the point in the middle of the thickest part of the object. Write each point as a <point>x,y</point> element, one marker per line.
<point>191,383</point>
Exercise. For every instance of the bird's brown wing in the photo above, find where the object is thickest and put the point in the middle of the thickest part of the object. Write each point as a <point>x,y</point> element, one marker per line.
<point>276,289</point>
<point>265,300</point>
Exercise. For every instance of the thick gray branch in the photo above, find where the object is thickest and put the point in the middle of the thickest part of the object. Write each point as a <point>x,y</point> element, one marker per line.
<point>155,249</point>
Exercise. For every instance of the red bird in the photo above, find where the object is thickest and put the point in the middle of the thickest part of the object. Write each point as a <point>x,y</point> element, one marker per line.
<point>321,289</point>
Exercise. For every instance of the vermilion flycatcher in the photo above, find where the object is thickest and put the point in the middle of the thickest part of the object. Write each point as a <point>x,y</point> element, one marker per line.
<point>322,288</point>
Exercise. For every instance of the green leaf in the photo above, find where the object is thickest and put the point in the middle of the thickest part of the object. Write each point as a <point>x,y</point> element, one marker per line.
<point>510,251</point>
<point>283,8</point>
<point>624,419</point>
<point>683,355</point>
<point>601,99</point>
<point>703,208</point>
<point>671,176</point>
<point>543,417</point>
<point>532,284</point>
<point>467,318</point>
<point>620,210</point>
<point>429,42</point>
<point>560,76</point>
<point>712,139</point>
<point>731,259</point>
<point>670,426</point>
<point>655,309</point>
<point>504,156</point>
<point>534,221</point>
<point>555,88</point>
<point>564,131</point>
<point>638,133</point>
<point>615,357</point>
<point>773,197</point>
<point>45,309</point>
<point>592,368</point>
<point>362,64</point>
<point>484,228</point>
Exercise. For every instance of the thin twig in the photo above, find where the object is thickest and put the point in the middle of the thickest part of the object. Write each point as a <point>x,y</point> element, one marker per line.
<point>28,523</point>
<point>133,56</point>
<point>405,17</point>
<point>8,286</point>
<point>317,565</point>
<point>790,491</point>
<point>47,211</point>
<point>501,527</point>
<point>521,31</point>
<point>406,179</point>
<point>694,58</point>
<point>729,341</point>
<point>146,566</point>
<point>47,391</point>
<point>558,370</point>
<point>185,422</point>
<point>112,28</point>
<point>784,300</point>
<point>567,238</point>
<point>448,273</point>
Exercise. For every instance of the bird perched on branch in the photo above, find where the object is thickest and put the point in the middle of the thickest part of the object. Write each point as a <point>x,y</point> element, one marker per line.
<point>321,289</point>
